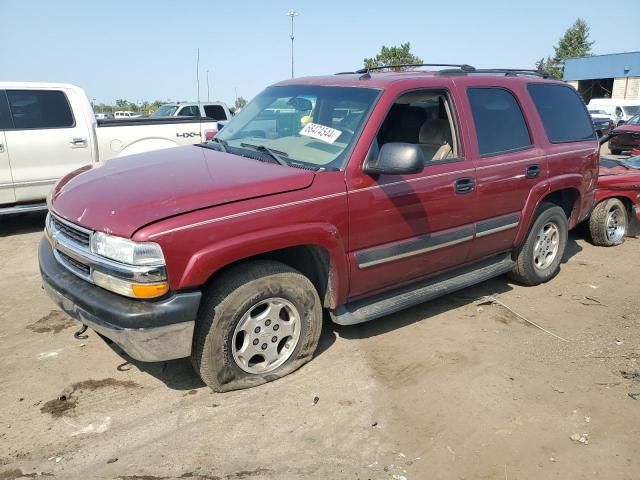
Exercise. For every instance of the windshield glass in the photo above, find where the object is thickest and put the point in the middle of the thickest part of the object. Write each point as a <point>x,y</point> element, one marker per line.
<point>597,112</point>
<point>165,111</point>
<point>312,125</point>
<point>631,109</point>
<point>634,120</point>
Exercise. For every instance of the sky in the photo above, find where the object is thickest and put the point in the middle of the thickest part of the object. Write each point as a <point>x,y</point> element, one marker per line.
<point>146,49</point>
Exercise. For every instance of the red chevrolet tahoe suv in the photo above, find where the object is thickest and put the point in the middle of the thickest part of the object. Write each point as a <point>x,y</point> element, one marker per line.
<point>359,194</point>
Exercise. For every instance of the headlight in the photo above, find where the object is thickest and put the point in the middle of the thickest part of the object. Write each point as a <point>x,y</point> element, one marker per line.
<point>126,251</point>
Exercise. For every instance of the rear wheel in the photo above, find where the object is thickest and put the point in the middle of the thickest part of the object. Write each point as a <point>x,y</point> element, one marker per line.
<point>608,223</point>
<point>259,322</point>
<point>538,259</point>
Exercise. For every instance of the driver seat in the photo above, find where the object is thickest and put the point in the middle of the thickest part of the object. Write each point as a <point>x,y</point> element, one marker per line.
<point>435,140</point>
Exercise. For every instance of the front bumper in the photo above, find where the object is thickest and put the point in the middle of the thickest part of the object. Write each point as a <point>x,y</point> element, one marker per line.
<point>146,331</point>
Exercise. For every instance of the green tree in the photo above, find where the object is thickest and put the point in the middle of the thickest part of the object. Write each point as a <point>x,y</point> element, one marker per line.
<point>574,43</point>
<point>240,103</point>
<point>390,56</point>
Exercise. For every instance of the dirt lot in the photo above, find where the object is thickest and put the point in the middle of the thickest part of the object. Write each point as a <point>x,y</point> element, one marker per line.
<point>447,390</point>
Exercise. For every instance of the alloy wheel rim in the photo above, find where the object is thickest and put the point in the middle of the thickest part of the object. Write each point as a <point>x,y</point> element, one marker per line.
<point>266,335</point>
<point>547,245</point>
<point>616,225</point>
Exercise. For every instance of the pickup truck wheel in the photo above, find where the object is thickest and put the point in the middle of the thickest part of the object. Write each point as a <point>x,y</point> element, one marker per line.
<point>608,223</point>
<point>259,322</point>
<point>538,259</point>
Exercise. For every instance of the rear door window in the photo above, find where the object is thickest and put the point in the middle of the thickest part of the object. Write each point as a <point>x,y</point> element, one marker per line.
<point>215,111</point>
<point>40,109</point>
<point>563,113</point>
<point>500,124</point>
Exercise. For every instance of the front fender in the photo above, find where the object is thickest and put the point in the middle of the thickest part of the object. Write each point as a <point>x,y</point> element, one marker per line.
<point>204,263</point>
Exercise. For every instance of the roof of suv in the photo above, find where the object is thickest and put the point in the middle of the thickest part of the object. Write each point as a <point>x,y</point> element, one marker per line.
<point>385,79</point>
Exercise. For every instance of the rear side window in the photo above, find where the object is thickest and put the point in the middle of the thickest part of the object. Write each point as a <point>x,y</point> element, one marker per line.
<point>215,111</point>
<point>562,112</point>
<point>40,109</point>
<point>499,122</point>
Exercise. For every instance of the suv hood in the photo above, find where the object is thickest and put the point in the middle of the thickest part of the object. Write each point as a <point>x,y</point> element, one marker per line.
<point>130,192</point>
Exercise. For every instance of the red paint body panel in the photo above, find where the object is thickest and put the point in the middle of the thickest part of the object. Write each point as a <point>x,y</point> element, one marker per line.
<point>208,209</point>
<point>129,192</point>
<point>619,182</point>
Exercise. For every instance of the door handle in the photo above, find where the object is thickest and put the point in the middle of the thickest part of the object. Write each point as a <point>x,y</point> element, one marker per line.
<point>533,171</point>
<point>1,148</point>
<point>78,142</point>
<point>464,185</point>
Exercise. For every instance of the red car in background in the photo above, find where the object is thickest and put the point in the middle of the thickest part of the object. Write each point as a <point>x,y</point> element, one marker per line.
<point>626,136</point>
<point>618,201</point>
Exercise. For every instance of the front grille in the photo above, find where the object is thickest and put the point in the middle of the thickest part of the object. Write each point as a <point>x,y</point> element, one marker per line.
<point>74,234</point>
<point>74,264</point>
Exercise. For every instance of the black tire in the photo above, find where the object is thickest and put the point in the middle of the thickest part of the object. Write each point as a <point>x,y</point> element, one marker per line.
<point>225,302</point>
<point>598,223</point>
<point>525,270</point>
<point>616,152</point>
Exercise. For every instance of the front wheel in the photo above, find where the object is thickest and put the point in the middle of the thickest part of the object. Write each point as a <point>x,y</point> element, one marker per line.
<point>259,322</point>
<point>538,259</point>
<point>608,223</point>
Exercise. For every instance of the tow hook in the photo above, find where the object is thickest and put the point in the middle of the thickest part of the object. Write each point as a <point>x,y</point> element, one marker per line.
<point>79,334</point>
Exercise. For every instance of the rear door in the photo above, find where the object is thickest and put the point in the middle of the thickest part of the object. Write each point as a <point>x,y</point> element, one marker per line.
<point>46,141</point>
<point>508,165</point>
<point>7,194</point>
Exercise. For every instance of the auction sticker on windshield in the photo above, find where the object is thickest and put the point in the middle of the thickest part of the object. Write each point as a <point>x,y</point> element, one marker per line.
<point>320,132</point>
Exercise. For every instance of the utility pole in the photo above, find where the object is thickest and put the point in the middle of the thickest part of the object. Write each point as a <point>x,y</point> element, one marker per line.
<point>198,75</point>
<point>208,99</point>
<point>292,14</point>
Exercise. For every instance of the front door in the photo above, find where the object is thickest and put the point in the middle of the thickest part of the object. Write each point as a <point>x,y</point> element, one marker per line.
<point>403,227</point>
<point>46,142</point>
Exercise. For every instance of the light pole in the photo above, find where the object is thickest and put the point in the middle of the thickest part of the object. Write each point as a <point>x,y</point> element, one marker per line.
<point>208,99</point>
<point>292,14</point>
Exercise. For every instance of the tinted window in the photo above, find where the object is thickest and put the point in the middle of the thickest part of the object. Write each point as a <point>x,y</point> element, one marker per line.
<point>562,112</point>
<point>5,117</point>
<point>215,111</point>
<point>189,111</point>
<point>40,109</point>
<point>499,122</point>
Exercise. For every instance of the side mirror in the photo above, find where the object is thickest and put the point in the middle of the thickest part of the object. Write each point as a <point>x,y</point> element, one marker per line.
<point>396,159</point>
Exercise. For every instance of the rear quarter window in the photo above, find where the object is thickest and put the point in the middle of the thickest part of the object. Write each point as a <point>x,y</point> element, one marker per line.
<point>215,111</point>
<point>500,124</point>
<point>40,109</point>
<point>562,112</point>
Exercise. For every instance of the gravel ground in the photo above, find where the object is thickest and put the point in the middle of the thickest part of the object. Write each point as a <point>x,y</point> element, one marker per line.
<point>447,390</point>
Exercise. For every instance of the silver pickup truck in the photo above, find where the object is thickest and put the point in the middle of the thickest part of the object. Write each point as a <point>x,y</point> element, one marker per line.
<point>48,130</point>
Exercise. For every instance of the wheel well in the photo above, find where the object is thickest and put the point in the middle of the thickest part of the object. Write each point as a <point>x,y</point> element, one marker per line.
<point>310,260</point>
<point>567,199</point>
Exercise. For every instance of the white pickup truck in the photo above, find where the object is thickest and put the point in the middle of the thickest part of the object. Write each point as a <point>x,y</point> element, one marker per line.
<point>48,130</point>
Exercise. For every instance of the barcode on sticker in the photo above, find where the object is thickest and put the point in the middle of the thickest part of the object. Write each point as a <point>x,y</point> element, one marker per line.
<point>320,132</point>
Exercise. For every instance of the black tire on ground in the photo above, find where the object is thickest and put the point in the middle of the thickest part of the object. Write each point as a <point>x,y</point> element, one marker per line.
<point>598,222</point>
<point>525,270</point>
<point>225,302</point>
<point>616,152</point>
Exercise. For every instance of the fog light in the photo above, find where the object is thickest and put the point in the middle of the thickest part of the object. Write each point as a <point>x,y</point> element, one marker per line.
<point>130,289</point>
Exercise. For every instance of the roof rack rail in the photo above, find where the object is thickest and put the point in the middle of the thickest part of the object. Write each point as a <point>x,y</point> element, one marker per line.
<point>462,66</point>
<point>505,71</point>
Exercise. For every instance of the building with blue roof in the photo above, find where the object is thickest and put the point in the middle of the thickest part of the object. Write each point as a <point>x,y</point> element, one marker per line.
<point>615,75</point>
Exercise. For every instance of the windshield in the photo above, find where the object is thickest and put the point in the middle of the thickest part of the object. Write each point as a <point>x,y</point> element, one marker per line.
<point>631,109</point>
<point>634,120</point>
<point>165,111</point>
<point>632,162</point>
<point>312,125</point>
<point>597,112</point>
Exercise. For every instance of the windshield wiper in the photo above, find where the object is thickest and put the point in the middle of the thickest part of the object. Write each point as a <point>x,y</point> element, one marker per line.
<point>223,144</point>
<point>276,155</point>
